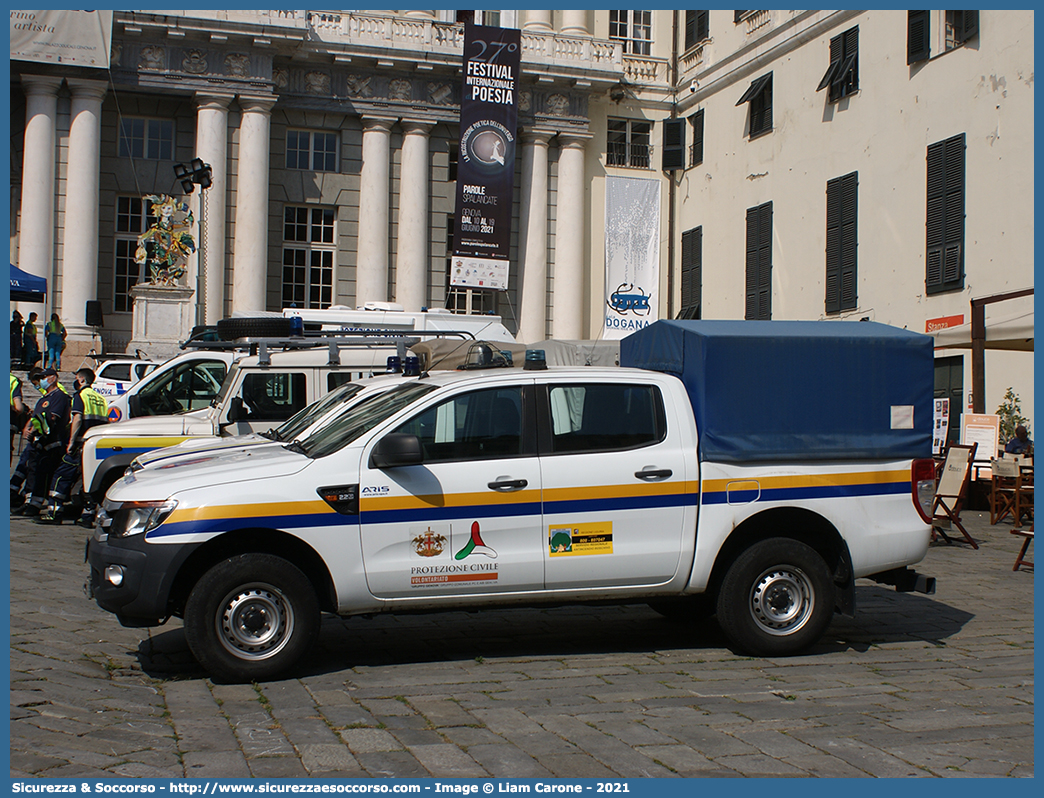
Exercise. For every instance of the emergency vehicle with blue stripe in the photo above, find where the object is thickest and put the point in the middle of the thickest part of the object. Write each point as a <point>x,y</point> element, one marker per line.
<point>525,486</point>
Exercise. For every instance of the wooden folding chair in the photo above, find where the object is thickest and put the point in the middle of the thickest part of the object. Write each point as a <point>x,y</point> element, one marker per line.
<point>1004,483</point>
<point>1024,491</point>
<point>1027,535</point>
<point>951,490</point>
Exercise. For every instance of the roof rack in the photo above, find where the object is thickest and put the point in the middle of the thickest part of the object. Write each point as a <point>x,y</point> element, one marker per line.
<point>335,341</point>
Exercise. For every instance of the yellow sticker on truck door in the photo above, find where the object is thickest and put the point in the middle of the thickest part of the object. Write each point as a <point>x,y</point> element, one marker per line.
<point>576,540</point>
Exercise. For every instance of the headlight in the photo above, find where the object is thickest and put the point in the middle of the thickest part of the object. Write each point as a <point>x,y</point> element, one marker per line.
<point>135,518</point>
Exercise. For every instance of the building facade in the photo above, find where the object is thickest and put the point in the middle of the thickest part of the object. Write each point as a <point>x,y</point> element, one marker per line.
<point>808,164</point>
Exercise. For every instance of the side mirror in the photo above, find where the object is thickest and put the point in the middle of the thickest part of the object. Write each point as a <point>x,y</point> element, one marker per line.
<point>236,411</point>
<point>134,406</point>
<point>397,450</point>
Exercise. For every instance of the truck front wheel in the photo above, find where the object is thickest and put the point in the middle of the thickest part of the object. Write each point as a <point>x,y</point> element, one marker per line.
<point>251,617</point>
<point>777,598</point>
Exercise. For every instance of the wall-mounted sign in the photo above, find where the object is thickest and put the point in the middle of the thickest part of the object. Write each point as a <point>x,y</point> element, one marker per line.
<point>943,323</point>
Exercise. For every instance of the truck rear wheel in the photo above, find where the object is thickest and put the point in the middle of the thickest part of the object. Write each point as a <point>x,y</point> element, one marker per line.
<point>251,617</point>
<point>777,598</point>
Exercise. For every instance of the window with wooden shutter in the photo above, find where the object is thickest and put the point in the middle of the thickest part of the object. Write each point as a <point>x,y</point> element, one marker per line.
<point>960,27</point>
<point>944,217</point>
<point>842,214</point>
<point>692,274</point>
<point>842,75</point>
<point>697,27</point>
<point>759,95</point>
<point>759,263</point>
<point>696,151</point>
<point>917,45</point>
<point>673,155</point>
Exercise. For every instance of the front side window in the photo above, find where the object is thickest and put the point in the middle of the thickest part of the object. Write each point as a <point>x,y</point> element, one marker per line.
<point>480,425</point>
<point>944,218</point>
<point>314,151</point>
<point>759,95</point>
<point>366,415</point>
<point>634,29</point>
<point>151,139</point>
<point>308,257</point>
<point>628,143</point>
<point>605,417</point>
<point>188,386</point>
<point>133,217</point>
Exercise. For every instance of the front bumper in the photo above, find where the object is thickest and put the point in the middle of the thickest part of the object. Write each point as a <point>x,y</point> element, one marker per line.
<point>145,573</point>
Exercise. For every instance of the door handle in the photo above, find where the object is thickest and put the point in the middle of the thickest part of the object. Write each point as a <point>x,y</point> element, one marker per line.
<point>654,474</point>
<point>508,485</point>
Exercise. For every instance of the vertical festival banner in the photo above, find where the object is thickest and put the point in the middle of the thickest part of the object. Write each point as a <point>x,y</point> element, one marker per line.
<point>486,164</point>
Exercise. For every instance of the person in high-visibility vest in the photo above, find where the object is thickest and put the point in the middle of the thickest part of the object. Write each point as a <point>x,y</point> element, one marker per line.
<point>17,408</point>
<point>89,409</point>
<point>54,341</point>
<point>48,435</point>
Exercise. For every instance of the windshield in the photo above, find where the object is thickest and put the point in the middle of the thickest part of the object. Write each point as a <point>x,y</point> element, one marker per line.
<point>362,418</point>
<point>226,385</point>
<point>305,417</point>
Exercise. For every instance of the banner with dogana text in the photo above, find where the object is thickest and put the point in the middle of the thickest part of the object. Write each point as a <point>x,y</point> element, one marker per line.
<point>632,254</point>
<point>76,38</point>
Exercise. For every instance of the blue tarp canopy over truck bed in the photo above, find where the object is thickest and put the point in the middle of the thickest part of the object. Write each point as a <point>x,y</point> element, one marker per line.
<point>797,390</point>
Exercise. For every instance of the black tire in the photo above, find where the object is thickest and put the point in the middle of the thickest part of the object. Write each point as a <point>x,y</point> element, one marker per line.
<point>251,617</point>
<point>254,327</point>
<point>777,598</point>
<point>689,609</point>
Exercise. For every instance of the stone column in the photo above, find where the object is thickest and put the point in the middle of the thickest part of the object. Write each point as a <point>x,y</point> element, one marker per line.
<point>571,205</point>
<point>80,229</point>
<point>419,13</point>
<point>212,148</point>
<point>532,249</point>
<point>411,274</point>
<point>36,235</point>
<point>250,246</point>
<point>575,23</point>
<point>371,268</point>
<point>538,20</point>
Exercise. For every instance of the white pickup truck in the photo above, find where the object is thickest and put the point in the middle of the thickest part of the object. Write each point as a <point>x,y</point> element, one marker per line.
<point>488,489</point>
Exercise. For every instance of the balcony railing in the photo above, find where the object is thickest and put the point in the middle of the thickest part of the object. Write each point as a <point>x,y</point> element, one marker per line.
<point>635,156</point>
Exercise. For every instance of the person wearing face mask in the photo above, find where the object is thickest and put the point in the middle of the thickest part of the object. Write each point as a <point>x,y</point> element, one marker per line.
<point>47,433</point>
<point>88,409</point>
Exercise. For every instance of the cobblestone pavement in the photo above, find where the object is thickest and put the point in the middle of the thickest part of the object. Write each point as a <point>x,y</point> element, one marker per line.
<point>915,686</point>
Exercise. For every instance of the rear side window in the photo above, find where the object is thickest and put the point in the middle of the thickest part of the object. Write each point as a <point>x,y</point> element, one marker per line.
<point>605,417</point>
<point>273,396</point>
<point>118,372</point>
